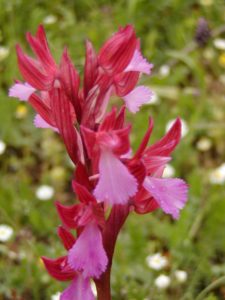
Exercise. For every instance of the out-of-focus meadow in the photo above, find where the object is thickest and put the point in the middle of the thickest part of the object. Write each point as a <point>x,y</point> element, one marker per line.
<point>188,81</point>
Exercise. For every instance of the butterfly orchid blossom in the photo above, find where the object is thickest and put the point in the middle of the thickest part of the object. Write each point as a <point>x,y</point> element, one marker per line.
<point>109,182</point>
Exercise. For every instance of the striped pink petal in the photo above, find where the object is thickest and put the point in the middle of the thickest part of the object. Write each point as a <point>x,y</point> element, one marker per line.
<point>170,194</point>
<point>137,97</point>
<point>79,289</point>
<point>22,91</point>
<point>39,122</point>
<point>116,184</point>
<point>139,64</point>
<point>88,254</point>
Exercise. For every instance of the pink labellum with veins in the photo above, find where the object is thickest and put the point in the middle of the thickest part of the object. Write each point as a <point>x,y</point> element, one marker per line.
<point>139,64</point>
<point>170,194</point>
<point>39,122</point>
<point>79,289</point>
<point>137,97</point>
<point>21,90</point>
<point>88,255</point>
<point>116,184</point>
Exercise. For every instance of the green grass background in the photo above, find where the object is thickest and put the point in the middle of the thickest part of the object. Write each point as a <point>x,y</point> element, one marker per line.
<point>194,90</point>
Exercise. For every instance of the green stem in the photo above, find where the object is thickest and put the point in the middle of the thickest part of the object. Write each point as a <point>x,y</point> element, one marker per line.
<point>217,283</point>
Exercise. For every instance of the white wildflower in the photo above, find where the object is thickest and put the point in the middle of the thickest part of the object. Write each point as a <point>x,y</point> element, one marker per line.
<point>217,176</point>
<point>164,70</point>
<point>6,232</point>
<point>180,275</point>
<point>204,144</point>
<point>49,20</point>
<point>162,281</point>
<point>206,2</point>
<point>4,52</point>
<point>156,261</point>
<point>184,127</point>
<point>219,43</point>
<point>45,192</point>
<point>154,99</point>
<point>2,147</point>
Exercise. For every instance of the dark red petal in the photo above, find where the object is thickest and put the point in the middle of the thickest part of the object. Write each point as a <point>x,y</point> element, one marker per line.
<point>146,206</point>
<point>90,68</point>
<point>68,214</point>
<point>125,82</point>
<point>59,268</point>
<point>41,36</point>
<point>120,119</point>
<point>71,82</point>
<point>109,121</point>
<point>61,108</point>
<point>118,51</point>
<point>66,237</point>
<point>145,139</point>
<point>44,56</point>
<point>138,169</point>
<point>90,140</point>
<point>42,109</point>
<point>32,71</point>
<point>166,145</point>
<point>81,176</point>
<point>83,194</point>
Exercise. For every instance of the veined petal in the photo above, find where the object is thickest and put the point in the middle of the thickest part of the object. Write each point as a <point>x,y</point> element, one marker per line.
<point>66,237</point>
<point>137,97</point>
<point>170,194</point>
<point>88,255</point>
<point>116,184</point>
<point>59,268</point>
<point>168,143</point>
<point>21,91</point>
<point>79,289</point>
<point>139,63</point>
<point>39,122</point>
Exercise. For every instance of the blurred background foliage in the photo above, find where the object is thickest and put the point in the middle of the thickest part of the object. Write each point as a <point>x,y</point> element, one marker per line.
<point>188,80</point>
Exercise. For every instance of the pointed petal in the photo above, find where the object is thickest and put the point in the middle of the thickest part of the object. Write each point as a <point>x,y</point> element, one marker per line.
<point>118,51</point>
<point>41,108</point>
<point>145,139</point>
<point>90,69</point>
<point>81,176</point>
<point>42,53</point>
<point>66,237</point>
<point>68,214</point>
<point>39,122</point>
<point>79,289</point>
<point>21,91</point>
<point>32,71</point>
<point>89,137</point>
<point>125,82</point>
<point>61,108</point>
<point>116,185</point>
<point>136,98</point>
<point>82,193</point>
<point>109,121</point>
<point>139,63</point>
<point>170,194</point>
<point>71,82</point>
<point>59,268</point>
<point>154,163</point>
<point>88,254</point>
<point>167,144</point>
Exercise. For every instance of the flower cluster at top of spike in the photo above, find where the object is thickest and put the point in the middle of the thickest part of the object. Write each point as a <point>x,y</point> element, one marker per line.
<point>97,141</point>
